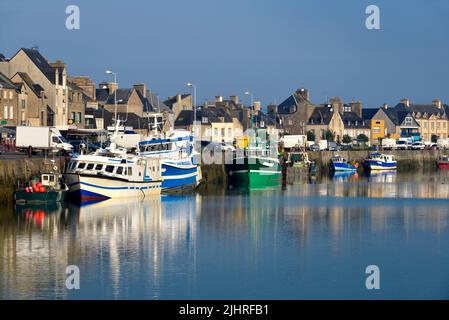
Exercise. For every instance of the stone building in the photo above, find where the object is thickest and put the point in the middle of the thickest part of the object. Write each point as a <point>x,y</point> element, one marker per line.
<point>178,103</point>
<point>325,118</point>
<point>52,77</point>
<point>32,101</point>
<point>295,111</point>
<point>8,101</point>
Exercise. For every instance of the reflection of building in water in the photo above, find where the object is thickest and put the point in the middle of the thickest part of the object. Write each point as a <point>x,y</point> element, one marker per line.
<point>112,242</point>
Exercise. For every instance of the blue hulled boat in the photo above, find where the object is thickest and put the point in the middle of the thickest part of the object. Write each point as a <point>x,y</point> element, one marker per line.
<point>175,150</point>
<point>339,163</point>
<point>379,161</point>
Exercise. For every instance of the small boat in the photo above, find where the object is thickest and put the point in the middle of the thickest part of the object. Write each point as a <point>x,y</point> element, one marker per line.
<point>49,188</point>
<point>339,163</point>
<point>443,162</point>
<point>379,161</point>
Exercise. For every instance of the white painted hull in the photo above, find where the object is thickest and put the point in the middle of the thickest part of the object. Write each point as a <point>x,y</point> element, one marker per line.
<point>95,188</point>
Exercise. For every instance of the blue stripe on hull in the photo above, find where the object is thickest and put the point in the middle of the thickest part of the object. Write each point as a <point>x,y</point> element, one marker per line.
<point>373,164</point>
<point>178,183</point>
<point>175,171</point>
<point>343,167</point>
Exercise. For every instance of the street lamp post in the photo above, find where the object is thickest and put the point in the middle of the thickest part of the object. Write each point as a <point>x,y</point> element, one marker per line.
<point>115,93</point>
<point>191,85</point>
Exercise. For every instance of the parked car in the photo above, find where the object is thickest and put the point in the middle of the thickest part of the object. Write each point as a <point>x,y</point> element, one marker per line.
<point>402,145</point>
<point>332,146</point>
<point>433,146</point>
<point>314,147</point>
<point>418,146</point>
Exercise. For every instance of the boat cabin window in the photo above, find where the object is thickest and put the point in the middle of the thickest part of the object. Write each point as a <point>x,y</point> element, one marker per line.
<point>109,169</point>
<point>130,172</point>
<point>81,165</point>
<point>99,167</point>
<point>44,178</point>
<point>52,178</point>
<point>119,170</point>
<point>90,166</point>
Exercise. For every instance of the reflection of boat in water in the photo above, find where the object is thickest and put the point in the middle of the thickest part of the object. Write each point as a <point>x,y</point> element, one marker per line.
<point>338,163</point>
<point>379,161</point>
<point>343,175</point>
<point>382,176</point>
<point>443,162</point>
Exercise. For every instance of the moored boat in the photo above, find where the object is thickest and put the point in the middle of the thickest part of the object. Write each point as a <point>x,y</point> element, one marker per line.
<point>443,162</point>
<point>379,161</point>
<point>49,188</point>
<point>338,163</point>
<point>254,167</point>
<point>112,173</point>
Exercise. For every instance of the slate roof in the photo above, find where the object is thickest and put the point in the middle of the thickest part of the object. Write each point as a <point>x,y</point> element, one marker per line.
<point>291,104</point>
<point>369,113</point>
<point>422,108</point>
<point>132,119</point>
<point>152,104</point>
<point>352,120</point>
<point>2,57</point>
<point>212,115</point>
<point>36,88</point>
<point>102,94</point>
<point>321,115</point>
<point>43,65</point>
<point>171,101</point>
<point>120,94</point>
<point>269,120</point>
<point>397,115</point>
<point>6,83</point>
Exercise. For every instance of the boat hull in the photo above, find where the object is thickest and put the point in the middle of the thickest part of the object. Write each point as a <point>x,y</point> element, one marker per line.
<point>91,188</point>
<point>443,165</point>
<point>179,176</point>
<point>379,165</point>
<point>254,172</point>
<point>38,197</point>
<point>337,166</point>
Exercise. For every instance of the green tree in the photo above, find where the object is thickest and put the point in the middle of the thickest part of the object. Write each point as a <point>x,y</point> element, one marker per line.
<point>329,136</point>
<point>310,136</point>
<point>434,138</point>
<point>362,138</point>
<point>347,139</point>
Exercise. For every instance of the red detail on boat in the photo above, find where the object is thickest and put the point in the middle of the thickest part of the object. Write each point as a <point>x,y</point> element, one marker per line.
<point>443,164</point>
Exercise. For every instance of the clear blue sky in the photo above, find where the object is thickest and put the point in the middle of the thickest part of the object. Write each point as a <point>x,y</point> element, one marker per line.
<point>270,47</point>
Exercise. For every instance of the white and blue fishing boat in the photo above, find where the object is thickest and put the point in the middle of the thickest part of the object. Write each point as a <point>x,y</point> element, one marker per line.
<point>175,150</point>
<point>379,161</point>
<point>338,163</point>
<point>112,173</point>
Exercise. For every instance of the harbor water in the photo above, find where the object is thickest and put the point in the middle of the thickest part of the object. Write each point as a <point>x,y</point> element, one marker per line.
<point>313,239</point>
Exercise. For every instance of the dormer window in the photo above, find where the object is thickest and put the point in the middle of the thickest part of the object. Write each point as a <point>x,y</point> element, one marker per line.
<point>204,120</point>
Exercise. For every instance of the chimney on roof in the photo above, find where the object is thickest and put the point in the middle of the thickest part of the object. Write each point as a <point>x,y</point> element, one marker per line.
<point>385,106</point>
<point>142,88</point>
<point>218,99</point>
<point>111,86</point>
<point>234,99</point>
<point>303,93</point>
<point>437,103</point>
<point>257,106</point>
<point>406,102</point>
<point>178,98</point>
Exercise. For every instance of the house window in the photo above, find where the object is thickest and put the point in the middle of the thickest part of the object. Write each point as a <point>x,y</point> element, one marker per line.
<point>5,94</point>
<point>5,112</point>
<point>79,117</point>
<point>290,122</point>
<point>23,103</point>
<point>262,124</point>
<point>229,132</point>
<point>347,108</point>
<point>72,116</point>
<point>425,125</point>
<point>444,125</point>
<point>432,125</point>
<point>11,112</point>
<point>438,126</point>
<point>222,132</point>
<point>204,119</point>
<point>10,95</point>
<point>215,132</point>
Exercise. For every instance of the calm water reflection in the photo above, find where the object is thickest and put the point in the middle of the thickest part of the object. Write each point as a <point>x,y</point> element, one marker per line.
<point>307,241</point>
